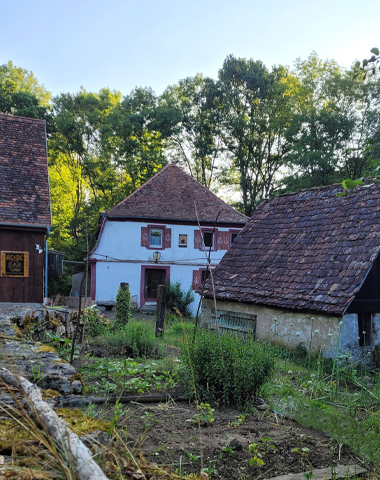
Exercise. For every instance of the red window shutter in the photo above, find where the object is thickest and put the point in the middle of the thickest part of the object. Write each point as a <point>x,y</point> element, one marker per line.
<point>198,240</point>
<point>197,277</point>
<point>168,238</point>
<point>223,240</point>
<point>145,237</point>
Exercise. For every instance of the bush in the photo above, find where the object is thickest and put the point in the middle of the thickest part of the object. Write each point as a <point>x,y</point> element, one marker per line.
<point>136,339</point>
<point>179,299</point>
<point>96,323</point>
<point>122,307</point>
<point>180,328</point>
<point>233,374</point>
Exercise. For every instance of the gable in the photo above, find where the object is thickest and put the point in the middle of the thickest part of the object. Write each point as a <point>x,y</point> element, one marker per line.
<point>310,250</point>
<point>24,185</point>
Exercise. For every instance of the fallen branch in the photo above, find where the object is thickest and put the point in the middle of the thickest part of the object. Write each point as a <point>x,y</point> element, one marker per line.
<point>86,467</point>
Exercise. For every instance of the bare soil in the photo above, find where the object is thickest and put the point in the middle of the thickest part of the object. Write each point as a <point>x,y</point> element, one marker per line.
<point>162,433</point>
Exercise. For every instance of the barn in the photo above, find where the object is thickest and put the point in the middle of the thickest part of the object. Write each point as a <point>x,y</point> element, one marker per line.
<point>25,217</point>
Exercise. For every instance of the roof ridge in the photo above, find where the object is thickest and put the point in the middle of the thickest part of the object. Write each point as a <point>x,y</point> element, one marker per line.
<point>9,116</point>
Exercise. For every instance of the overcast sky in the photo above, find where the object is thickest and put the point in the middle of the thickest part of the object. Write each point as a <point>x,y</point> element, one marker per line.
<point>126,43</point>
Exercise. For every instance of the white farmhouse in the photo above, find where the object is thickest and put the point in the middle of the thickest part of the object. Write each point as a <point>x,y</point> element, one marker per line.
<point>153,236</point>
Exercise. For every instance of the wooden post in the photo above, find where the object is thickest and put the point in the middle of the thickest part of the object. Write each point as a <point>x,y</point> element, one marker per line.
<point>161,304</point>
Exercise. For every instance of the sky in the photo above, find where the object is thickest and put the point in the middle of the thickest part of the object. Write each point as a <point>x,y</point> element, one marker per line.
<point>122,44</point>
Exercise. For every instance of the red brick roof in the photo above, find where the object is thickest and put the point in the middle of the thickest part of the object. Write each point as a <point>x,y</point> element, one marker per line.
<point>310,250</point>
<point>24,182</point>
<point>170,195</point>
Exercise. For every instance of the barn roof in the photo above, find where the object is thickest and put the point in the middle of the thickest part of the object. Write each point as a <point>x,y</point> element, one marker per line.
<point>310,250</point>
<point>171,195</point>
<point>24,181</point>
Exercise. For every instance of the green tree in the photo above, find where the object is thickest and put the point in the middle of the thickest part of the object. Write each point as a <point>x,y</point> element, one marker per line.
<point>22,94</point>
<point>255,119</point>
<point>195,140</point>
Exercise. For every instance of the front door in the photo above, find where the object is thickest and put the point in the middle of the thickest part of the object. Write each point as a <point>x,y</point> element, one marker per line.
<point>153,278</point>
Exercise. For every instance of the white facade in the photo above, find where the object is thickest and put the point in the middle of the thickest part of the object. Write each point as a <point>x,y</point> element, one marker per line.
<point>125,249</point>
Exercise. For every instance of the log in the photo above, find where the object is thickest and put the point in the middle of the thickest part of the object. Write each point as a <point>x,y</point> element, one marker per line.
<point>85,466</point>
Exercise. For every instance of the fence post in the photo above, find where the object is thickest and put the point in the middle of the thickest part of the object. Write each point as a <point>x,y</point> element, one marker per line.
<point>161,304</point>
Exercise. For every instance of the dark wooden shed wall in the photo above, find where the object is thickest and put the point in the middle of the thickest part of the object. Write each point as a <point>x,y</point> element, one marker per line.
<point>367,300</point>
<point>25,289</point>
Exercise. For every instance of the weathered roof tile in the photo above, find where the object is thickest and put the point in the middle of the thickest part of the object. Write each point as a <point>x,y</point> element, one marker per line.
<point>309,250</point>
<point>171,195</point>
<point>24,182</point>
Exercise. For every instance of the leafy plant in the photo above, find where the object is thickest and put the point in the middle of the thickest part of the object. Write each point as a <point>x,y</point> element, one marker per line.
<point>179,299</point>
<point>96,323</point>
<point>233,373</point>
<point>123,306</point>
<point>205,415</point>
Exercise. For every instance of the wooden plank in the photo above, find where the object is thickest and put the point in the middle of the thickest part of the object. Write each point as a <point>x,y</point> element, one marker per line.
<point>340,471</point>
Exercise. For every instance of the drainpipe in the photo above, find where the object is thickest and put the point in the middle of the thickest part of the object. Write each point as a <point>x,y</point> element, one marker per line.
<point>46,269</point>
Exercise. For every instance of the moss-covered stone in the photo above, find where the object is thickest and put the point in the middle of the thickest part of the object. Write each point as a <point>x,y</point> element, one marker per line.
<point>46,348</point>
<point>80,423</point>
<point>46,394</point>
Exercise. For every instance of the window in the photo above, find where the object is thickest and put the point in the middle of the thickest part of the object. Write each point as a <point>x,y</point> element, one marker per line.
<point>365,329</point>
<point>155,237</point>
<point>205,275</point>
<point>208,239</point>
<point>233,236</point>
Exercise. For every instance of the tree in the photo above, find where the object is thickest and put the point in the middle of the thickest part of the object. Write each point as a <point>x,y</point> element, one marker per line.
<point>21,93</point>
<point>195,139</point>
<point>333,116</point>
<point>255,117</point>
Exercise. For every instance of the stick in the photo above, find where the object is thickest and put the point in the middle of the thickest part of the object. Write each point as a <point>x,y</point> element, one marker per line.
<point>86,467</point>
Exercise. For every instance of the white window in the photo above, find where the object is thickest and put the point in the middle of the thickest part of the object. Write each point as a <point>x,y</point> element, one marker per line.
<point>156,237</point>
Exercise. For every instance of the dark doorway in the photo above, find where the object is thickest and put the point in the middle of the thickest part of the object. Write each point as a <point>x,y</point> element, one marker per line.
<point>153,278</point>
<point>365,329</point>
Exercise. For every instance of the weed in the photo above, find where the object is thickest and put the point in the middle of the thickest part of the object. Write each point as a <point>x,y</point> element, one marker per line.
<point>204,417</point>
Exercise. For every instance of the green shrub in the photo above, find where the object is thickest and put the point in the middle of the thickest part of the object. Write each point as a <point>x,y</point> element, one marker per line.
<point>122,307</point>
<point>96,323</point>
<point>180,328</point>
<point>136,339</point>
<point>231,374</point>
<point>179,299</point>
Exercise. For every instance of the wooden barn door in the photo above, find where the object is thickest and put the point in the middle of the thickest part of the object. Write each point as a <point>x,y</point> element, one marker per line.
<point>22,259</point>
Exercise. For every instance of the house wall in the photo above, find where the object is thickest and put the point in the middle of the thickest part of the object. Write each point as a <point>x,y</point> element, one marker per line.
<point>120,256</point>
<point>28,288</point>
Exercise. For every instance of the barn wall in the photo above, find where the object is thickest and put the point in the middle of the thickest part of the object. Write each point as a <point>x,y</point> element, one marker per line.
<point>23,289</point>
<point>284,326</point>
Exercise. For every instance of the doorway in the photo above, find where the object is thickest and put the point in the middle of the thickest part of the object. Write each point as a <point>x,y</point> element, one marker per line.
<point>151,278</point>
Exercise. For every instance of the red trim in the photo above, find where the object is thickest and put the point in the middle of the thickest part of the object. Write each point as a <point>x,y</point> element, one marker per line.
<point>93,280</point>
<point>142,279</point>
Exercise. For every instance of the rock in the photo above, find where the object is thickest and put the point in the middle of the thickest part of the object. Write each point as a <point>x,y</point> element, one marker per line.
<point>263,407</point>
<point>235,444</point>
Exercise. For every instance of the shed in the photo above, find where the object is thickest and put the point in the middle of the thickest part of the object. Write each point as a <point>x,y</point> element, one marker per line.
<point>25,218</point>
<point>306,266</point>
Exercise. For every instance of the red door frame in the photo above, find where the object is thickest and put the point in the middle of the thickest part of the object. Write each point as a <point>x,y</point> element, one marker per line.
<point>142,279</point>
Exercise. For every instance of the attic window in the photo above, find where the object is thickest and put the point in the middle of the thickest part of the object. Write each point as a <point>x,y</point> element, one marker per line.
<point>233,236</point>
<point>208,239</point>
<point>155,237</point>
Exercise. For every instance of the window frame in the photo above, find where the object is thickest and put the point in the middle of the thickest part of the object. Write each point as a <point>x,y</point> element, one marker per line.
<point>232,232</point>
<point>214,233</point>
<point>163,233</point>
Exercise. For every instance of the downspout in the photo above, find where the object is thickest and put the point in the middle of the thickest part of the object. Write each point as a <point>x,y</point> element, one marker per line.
<point>46,268</point>
<point>51,220</point>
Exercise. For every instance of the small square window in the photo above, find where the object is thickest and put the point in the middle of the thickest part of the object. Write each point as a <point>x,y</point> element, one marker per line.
<point>208,238</point>
<point>205,275</point>
<point>233,236</point>
<point>155,237</point>
<point>365,329</point>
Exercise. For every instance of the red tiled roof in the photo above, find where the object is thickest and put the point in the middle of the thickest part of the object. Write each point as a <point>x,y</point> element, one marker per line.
<point>170,195</point>
<point>310,250</point>
<point>24,182</point>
